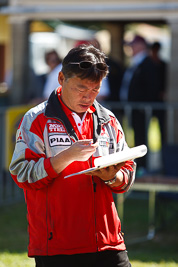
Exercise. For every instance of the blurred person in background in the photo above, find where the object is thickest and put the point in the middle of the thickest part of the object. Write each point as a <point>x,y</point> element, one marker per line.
<point>73,221</point>
<point>47,82</point>
<point>161,70</point>
<point>139,84</point>
<point>54,62</point>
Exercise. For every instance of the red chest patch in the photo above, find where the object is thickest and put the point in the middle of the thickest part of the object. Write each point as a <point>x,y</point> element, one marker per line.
<point>56,128</point>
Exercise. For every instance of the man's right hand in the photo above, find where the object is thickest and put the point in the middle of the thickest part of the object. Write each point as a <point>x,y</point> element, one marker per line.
<point>81,150</point>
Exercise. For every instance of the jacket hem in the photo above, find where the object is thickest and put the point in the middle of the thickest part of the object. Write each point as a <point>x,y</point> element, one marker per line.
<point>52,252</point>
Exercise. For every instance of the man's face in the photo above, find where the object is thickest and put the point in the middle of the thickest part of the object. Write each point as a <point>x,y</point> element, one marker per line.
<point>52,61</point>
<point>138,47</point>
<point>78,95</point>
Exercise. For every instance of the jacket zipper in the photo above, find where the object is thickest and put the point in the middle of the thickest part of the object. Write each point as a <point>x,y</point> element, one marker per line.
<point>94,190</point>
<point>49,227</point>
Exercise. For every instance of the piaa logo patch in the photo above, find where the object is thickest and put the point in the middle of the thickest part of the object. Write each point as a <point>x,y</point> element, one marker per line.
<point>59,140</point>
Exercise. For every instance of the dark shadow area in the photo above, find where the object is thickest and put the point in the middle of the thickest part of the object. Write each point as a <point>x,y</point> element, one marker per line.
<point>13,228</point>
<point>163,247</point>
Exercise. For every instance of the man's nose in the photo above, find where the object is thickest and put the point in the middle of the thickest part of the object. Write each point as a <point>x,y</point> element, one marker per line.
<point>88,95</point>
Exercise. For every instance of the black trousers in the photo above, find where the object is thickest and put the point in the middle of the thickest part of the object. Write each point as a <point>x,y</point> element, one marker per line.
<point>108,258</point>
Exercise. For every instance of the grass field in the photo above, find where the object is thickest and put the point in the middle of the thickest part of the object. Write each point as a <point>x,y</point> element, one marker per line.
<point>162,251</point>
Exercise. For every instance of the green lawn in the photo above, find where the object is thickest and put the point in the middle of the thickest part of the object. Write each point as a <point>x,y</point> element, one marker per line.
<point>13,237</point>
<point>8,259</point>
<point>162,251</point>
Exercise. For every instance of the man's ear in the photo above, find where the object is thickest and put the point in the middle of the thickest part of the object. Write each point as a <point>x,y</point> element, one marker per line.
<point>61,78</point>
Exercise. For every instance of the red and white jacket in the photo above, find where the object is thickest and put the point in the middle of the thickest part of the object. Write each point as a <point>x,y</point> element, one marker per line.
<point>77,214</point>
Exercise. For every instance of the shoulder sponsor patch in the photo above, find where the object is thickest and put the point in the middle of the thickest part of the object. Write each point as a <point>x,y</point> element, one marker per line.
<point>56,128</point>
<point>59,140</point>
<point>19,138</point>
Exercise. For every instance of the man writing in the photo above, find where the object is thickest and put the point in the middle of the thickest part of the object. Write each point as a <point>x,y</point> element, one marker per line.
<point>73,221</point>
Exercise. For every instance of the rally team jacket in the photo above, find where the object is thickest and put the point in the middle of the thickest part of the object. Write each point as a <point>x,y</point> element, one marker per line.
<point>73,215</point>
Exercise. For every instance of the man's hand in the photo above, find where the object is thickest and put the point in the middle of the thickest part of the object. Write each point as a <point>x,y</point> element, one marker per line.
<point>109,173</point>
<point>81,150</point>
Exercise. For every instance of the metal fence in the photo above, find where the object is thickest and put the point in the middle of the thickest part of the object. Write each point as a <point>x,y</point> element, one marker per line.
<point>9,191</point>
<point>149,110</point>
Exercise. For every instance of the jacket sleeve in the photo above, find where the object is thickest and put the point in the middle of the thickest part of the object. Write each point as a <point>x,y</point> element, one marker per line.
<point>129,177</point>
<point>129,169</point>
<point>29,167</point>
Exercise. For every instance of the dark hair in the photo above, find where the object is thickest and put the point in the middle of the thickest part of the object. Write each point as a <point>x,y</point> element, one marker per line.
<point>84,53</point>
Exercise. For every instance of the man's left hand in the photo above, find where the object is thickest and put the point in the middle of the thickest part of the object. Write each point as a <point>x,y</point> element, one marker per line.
<point>109,173</point>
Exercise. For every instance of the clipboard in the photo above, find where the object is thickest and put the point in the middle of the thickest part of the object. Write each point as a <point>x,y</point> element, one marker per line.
<point>115,158</point>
